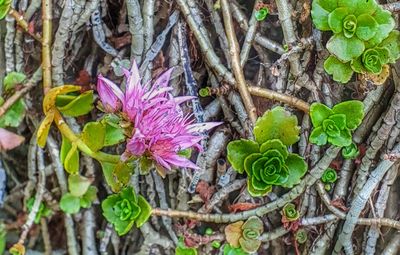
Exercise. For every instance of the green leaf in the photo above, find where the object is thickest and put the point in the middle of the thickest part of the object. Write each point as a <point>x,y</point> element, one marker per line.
<point>275,144</point>
<point>357,66</point>
<point>318,136</point>
<point>144,213</point>
<point>249,161</point>
<point>277,124</point>
<point>71,162</point>
<point>344,139</point>
<point>345,49</point>
<point>297,168</point>
<point>329,176</point>
<point>14,115</point>
<point>392,44</point>
<point>350,152</point>
<point>328,5</point>
<point>354,111</point>
<point>108,169</point>
<point>339,119</point>
<point>3,233</point>
<point>255,192</point>
<point>349,26</point>
<point>122,172</point>
<point>12,79</point>
<point>366,27</point>
<point>89,197</point>
<point>81,105</point>
<point>93,135</point>
<point>181,248</point>
<point>261,14</point>
<point>113,135</point>
<point>78,185</point>
<point>318,113</point>
<point>4,8</point>
<point>385,25</point>
<point>238,151</point>
<point>340,71</point>
<point>290,212</point>
<point>335,19</point>
<point>66,146</point>
<point>320,16</point>
<point>229,250</point>
<point>69,203</point>
<point>359,6</point>
<point>250,245</point>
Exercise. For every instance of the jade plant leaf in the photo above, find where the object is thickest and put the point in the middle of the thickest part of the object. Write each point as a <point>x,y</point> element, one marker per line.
<point>277,124</point>
<point>44,128</point>
<point>93,135</point>
<point>354,111</point>
<point>261,14</point>
<point>341,72</point>
<point>71,161</point>
<point>238,151</point>
<point>80,105</point>
<point>319,112</point>
<point>345,49</point>
<point>70,204</point>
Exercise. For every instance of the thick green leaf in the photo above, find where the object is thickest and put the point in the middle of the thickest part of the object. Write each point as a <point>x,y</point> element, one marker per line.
<point>329,176</point>
<point>328,5</point>
<point>385,25</point>
<point>4,8</point>
<point>344,139</point>
<point>359,6</point>
<point>339,120</point>
<point>250,245</point>
<point>113,135</point>
<point>366,27</point>
<point>357,66</point>
<point>345,49</point>
<point>144,213</point>
<point>297,168</point>
<point>255,192</point>
<point>81,105</point>
<point>277,124</point>
<point>71,162</point>
<point>335,19</point>
<point>274,144</point>
<point>392,44</point>
<point>69,203</point>
<point>249,161</point>
<point>12,79</point>
<point>229,250</point>
<point>340,71</point>
<point>108,169</point>
<point>63,100</point>
<point>318,113</point>
<point>66,146</point>
<point>3,234</point>
<point>107,207</point>
<point>89,197</point>
<point>122,173</point>
<point>354,111</point>
<point>318,136</point>
<point>93,135</point>
<point>320,16</point>
<point>78,185</point>
<point>14,115</point>
<point>350,152</point>
<point>181,248</point>
<point>238,151</point>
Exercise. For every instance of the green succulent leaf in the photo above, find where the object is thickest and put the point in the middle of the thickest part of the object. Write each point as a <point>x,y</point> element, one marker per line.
<point>335,19</point>
<point>359,6</point>
<point>3,233</point>
<point>385,25</point>
<point>5,6</point>
<point>78,185</point>
<point>14,115</point>
<point>318,113</point>
<point>108,170</point>
<point>349,26</point>
<point>341,72</point>
<point>124,209</point>
<point>354,111</point>
<point>318,136</point>
<point>80,105</point>
<point>238,151</point>
<point>229,250</point>
<point>277,124</point>
<point>297,168</point>
<point>70,204</point>
<point>366,27</point>
<point>320,16</point>
<point>257,192</point>
<point>372,61</point>
<point>301,236</point>
<point>93,135</point>
<point>261,14</point>
<point>89,197</point>
<point>275,144</point>
<point>290,212</point>
<point>343,139</point>
<point>71,161</point>
<point>113,135</point>
<point>181,248</point>
<point>345,49</point>
<point>328,5</point>
<point>329,176</point>
<point>350,152</point>
<point>392,44</point>
<point>12,79</point>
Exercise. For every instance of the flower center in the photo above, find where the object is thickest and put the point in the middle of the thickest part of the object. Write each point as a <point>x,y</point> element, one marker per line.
<point>123,209</point>
<point>330,128</point>
<point>349,25</point>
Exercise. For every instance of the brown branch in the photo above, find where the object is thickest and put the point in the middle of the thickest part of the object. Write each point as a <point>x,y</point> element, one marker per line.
<point>46,44</point>
<point>236,66</point>
<point>24,24</point>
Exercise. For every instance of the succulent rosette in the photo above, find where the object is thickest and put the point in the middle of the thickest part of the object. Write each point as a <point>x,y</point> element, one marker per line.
<point>290,213</point>
<point>267,160</point>
<point>335,125</point>
<point>351,151</point>
<point>125,209</point>
<point>329,176</point>
<point>359,30</point>
<point>245,234</point>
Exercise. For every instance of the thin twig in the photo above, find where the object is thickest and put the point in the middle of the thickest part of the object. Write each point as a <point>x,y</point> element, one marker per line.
<point>24,24</point>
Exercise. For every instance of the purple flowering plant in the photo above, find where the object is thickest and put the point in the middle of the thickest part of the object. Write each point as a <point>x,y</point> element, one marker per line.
<point>146,118</point>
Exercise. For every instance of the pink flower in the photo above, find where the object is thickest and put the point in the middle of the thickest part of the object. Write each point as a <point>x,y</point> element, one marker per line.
<point>160,129</point>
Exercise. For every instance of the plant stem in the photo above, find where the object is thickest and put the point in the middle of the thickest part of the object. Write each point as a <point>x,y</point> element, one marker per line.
<point>46,44</point>
<point>68,133</point>
<point>24,24</point>
<point>273,95</point>
<point>236,66</point>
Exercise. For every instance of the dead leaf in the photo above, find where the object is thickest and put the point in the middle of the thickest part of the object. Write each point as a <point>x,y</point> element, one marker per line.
<point>205,190</point>
<point>9,140</point>
<point>240,207</point>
